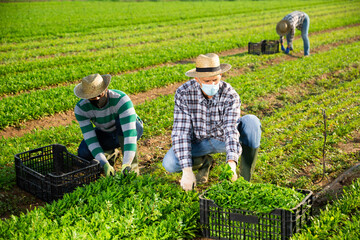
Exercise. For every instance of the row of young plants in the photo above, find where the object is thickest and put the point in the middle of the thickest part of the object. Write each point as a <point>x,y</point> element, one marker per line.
<point>50,71</point>
<point>339,220</point>
<point>109,59</point>
<point>132,34</point>
<point>132,207</point>
<point>11,52</point>
<point>294,138</point>
<point>144,49</point>
<point>157,114</point>
<point>51,20</point>
<point>26,106</point>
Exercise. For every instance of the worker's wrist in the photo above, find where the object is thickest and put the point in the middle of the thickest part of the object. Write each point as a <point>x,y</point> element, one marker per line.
<point>125,166</point>
<point>232,164</point>
<point>101,158</point>
<point>187,170</point>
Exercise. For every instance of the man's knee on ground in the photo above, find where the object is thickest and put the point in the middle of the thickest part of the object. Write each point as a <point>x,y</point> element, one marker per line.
<point>250,130</point>
<point>169,167</point>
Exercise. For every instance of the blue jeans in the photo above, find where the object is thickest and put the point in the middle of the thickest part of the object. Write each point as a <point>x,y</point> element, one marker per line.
<point>108,140</point>
<point>304,35</point>
<point>249,127</point>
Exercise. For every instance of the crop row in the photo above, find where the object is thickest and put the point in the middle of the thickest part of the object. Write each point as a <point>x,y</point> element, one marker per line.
<point>54,19</point>
<point>11,52</point>
<point>26,106</point>
<point>157,114</point>
<point>142,207</point>
<point>293,137</point>
<point>51,71</point>
<point>339,220</point>
<point>230,33</point>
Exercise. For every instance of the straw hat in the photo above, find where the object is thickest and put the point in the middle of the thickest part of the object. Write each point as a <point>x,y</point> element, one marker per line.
<point>283,27</point>
<point>207,65</point>
<point>92,86</point>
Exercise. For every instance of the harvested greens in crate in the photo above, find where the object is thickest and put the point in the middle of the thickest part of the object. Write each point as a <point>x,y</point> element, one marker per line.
<point>243,210</point>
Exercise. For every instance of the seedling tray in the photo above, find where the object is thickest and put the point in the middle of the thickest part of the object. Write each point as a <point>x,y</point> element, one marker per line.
<point>221,223</point>
<point>264,47</point>
<point>51,171</point>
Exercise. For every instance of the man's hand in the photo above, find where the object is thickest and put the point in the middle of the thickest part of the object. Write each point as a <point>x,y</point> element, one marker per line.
<point>287,50</point>
<point>282,48</point>
<point>188,180</point>
<point>232,165</point>
<point>126,169</point>
<point>109,170</point>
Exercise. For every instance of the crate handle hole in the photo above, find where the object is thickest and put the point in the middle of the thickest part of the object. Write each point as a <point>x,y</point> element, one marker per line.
<point>35,154</point>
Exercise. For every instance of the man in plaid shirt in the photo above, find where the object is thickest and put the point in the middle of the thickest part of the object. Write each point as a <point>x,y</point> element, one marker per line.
<point>287,25</point>
<point>207,120</point>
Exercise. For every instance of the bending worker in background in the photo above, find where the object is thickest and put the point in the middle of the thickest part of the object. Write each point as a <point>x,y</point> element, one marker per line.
<point>287,25</point>
<point>115,120</point>
<point>207,120</point>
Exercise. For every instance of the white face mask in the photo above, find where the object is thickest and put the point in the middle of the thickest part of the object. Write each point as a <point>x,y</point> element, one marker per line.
<point>210,89</point>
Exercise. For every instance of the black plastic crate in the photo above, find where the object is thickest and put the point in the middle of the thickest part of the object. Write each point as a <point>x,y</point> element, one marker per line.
<point>264,47</point>
<point>221,223</point>
<point>51,171</point>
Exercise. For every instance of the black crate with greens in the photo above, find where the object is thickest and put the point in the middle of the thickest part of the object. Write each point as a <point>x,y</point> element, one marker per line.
<point>243,210</point>
<point>51,171</point>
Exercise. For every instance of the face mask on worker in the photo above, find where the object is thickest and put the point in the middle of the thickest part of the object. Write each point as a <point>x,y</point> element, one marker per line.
<point>210,89</point>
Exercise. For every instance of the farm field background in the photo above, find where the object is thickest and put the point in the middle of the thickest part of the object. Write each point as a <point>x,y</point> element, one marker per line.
<point>47,47</point>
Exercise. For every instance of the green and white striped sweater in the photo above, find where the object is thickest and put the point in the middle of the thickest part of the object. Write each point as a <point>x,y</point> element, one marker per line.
<point>88,115</point>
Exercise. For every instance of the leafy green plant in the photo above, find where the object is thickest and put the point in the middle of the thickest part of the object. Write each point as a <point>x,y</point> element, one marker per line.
<point>226,172</point>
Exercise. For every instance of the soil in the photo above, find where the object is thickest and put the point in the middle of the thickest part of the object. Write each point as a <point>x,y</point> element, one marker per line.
<point>334,190</point>
<point>17,201</point>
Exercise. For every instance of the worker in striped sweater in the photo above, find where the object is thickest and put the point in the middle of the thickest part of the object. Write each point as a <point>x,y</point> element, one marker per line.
<point>108,120</point>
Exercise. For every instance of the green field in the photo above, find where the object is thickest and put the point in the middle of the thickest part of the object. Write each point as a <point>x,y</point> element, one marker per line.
<point>47,47</point>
